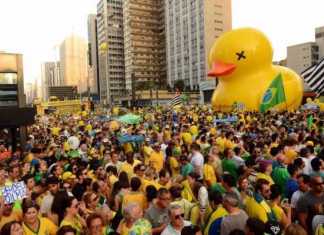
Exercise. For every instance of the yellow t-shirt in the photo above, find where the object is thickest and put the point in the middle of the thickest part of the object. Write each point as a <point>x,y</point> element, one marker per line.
<point>147,182</point>
<point>175,167</point>
<point>218,213</point>
<point>255,210</point>
<point>88,127</point>
<point>194,130</point>
<point>209,174</point>
<point>46,226</point>
<point>74,224</point>
<point>156,160</point>
<point>14,216</point>
<point>228,144</point>
<point>133,197</point>
<point>128,148</point>
<point>187,192</point>
<point>290,155</point>
<point>266,177</point>
<point>123,229</point>
<point>278,212</point>
<point>147,151</point>
<point>56,131</point>
<point>186,137</point>
<point>221,143</point>
<point>128,168</point>
<point>167,135</point>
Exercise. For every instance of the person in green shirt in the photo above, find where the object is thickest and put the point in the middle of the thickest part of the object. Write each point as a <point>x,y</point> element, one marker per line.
<point>228,163</point>
<point>186,167</point>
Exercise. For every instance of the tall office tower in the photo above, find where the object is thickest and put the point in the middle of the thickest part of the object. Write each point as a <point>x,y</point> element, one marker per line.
<point>144,37</point>
<point>93,54</point>
<point>73,63</point>
<point>111,50</point>
<point>191,29</point>
<point>50,76</point>
<point>319,37</point>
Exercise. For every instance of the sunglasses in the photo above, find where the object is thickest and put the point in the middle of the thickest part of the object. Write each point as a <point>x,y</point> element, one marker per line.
<point>180,216</point>
<point>319,183</point>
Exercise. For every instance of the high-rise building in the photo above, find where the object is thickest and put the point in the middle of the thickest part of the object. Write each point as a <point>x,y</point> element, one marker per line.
<point>50,76</point>
<point>144,37</point>
<point>319,38</point>
<point>111,50</point>
<point>73,63</point>
<point>191,29</point>
<point>93,54</point>
<point>302,56</point>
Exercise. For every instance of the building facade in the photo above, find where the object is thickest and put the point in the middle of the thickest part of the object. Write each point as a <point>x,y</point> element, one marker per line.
<point>50,76</point>
<point>302,56</point>
<point>74,63</point>
<point>191,29</point>
<point>319,39</point>
<point>144,43</point>
<point>93,54</point>
<point>111,50</point>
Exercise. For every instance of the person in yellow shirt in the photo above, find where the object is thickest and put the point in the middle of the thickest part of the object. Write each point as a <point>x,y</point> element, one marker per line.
<point>186,136</point>
<point>156,159</point>
<point>265,170</point>
<point>257,206</point>
<point>209,172</point>
<point>220,141</point>
<point>218,212</point>
<point>72,217</point>
<point>147,151</point>
<point>135,196</point>
<point>167,134</point>
<point>149,179</point>
<point>9,215</point>
<point>129,165</point>
<point>194,130</point>
<point>32,223</point>
<point>282,217</point>
<point>164,179</point>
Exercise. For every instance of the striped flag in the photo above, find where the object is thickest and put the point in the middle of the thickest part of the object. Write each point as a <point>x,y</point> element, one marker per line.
<point>177,100</point>
<point>314,77</point>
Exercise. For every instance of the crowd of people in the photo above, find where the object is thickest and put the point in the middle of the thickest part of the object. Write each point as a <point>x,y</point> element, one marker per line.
<point>195,172</point>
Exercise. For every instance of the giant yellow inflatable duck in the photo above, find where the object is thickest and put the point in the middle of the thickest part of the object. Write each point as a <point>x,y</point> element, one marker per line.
<point>242,61</point>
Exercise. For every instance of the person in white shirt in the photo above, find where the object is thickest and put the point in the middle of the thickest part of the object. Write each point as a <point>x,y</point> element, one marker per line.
<point>237,157</point>
<point>197,159</point>
<point>303,186</point>
<point>177,221</point>
<point>307,158</point>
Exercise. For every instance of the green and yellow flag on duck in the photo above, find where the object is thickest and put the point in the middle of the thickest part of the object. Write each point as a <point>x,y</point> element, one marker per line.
<point>274,95</point>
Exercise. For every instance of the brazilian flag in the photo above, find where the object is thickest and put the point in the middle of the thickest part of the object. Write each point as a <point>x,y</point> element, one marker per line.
<point>274,95</point>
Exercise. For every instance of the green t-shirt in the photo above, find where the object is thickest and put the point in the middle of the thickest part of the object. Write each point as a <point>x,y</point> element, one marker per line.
<point>280,176</point>
<point>229,166</point>
<point>186,170</point>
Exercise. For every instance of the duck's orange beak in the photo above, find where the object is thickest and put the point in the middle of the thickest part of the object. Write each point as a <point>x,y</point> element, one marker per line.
<point>221,69</point>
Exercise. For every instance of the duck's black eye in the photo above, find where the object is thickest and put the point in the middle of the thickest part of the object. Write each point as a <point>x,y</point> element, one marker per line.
<point>240,55</point>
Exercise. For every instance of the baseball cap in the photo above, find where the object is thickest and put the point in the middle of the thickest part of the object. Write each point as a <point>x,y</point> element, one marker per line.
<point>273,228</point>
<point>68,175</point>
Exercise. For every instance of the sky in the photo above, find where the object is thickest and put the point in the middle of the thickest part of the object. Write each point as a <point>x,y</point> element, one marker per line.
<point>36,27</point>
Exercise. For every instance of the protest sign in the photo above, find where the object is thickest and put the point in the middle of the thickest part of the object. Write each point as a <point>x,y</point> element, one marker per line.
<point>16,191</point>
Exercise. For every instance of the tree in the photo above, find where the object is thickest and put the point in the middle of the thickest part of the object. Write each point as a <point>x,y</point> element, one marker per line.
<point>179,84</point>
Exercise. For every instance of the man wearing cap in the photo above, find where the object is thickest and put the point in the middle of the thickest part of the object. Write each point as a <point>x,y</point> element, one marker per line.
<point>53,186</point>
